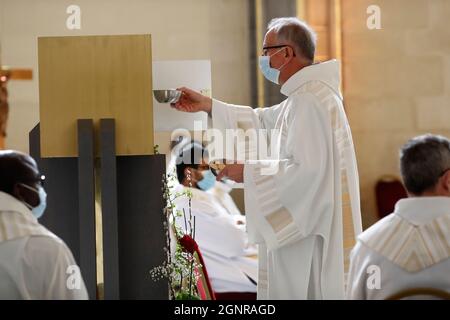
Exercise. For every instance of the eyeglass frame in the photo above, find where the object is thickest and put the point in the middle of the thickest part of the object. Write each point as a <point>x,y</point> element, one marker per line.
<point>40,179</point>
<point>275,47</point>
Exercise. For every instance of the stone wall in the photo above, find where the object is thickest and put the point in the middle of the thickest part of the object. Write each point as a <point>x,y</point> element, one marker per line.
<point>396,82</point>
<point>181,30</point>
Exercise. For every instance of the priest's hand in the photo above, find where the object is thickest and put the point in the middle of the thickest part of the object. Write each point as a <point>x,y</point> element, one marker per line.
<point>192,101</point>
<point>233,172</point>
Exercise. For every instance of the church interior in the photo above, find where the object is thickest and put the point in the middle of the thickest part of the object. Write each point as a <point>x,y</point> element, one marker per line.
<point>394,77</point>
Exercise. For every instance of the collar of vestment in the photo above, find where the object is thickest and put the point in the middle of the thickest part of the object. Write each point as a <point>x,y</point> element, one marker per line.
<point>416,236</point>
<point>327,72</point>
<point>197,194</point>
<point>17,221</point>
<point>422,210</point>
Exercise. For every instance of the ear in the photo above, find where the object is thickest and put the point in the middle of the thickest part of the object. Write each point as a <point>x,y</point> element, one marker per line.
<point>16,191</point>
<point>23,194</point>
<point>445,182</point>
<point>289,52</point>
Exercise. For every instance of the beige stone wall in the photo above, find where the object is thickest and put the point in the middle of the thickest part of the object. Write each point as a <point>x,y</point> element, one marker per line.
<point>181,30</point>
<point>229,50</point>
<point>396,82</point>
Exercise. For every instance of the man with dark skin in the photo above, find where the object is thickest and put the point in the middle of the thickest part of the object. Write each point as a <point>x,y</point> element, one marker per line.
<point>17,169</point>
<point>34,262</point>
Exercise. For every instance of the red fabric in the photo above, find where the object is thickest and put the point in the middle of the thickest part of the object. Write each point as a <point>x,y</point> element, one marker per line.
<point>191,246</point>
<point>387,195</point>
<point>201,290</point>
<point>205,274</point>
<point>235,295</point>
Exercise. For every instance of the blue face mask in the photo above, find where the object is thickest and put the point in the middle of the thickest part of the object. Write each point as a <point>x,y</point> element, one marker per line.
<point>270,73</point>
<point>208,181</point>
<point>39,210</point>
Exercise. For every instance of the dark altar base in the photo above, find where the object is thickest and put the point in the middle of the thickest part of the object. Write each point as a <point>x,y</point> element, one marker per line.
<point>132,212</point>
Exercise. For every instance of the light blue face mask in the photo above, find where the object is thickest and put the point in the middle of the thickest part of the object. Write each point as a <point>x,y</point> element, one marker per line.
<point>39,210</point>
<point>208,181</point>
<point>270,73</point>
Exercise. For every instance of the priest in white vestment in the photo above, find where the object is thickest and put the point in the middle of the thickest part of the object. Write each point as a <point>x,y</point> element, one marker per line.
<point>302,206</point>
<point>409,250</point>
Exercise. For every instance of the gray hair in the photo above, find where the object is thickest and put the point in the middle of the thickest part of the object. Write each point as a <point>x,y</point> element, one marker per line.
<point>297,32</point>
<point>423,160</point>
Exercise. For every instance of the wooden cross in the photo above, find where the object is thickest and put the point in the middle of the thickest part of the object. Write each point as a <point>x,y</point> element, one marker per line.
<point>7,74</point>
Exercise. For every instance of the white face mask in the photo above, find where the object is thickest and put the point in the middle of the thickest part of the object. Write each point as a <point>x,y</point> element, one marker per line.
<point>270,73</point>
<point>39,210</point>
<point>208,181</point>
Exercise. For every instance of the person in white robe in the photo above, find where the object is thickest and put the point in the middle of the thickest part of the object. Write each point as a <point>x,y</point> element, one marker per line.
<point>221,191</point>
<point>305,214</point>
<point>410,248</point>
<point>34,262</point>
<point>230,261</point>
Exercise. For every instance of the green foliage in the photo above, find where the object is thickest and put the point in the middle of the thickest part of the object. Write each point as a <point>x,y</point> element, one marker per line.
<point>180,266</point>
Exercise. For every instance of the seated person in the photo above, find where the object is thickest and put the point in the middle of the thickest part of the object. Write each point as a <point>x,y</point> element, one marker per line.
<point>220,234</point>
<point>221,191</point>
<point>409,248</point>
<point>34,263</point>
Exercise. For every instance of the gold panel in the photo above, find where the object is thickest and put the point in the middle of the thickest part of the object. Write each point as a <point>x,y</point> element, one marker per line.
<point>94,77</point>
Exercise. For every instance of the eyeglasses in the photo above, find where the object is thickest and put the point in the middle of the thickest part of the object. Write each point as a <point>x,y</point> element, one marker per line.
<point>265,50</point>
<point>40,179</point>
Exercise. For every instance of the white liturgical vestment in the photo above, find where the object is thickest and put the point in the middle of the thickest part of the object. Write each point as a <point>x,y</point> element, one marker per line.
<point>222,242</point>
<point>34,263</point>
<point>408,249</point>
<point>302,205</point>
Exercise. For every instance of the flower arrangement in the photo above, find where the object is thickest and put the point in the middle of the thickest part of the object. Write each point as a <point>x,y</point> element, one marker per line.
<point>181,266</point>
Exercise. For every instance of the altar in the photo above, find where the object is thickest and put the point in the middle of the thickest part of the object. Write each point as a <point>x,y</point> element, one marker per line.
<point>96,144</point>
